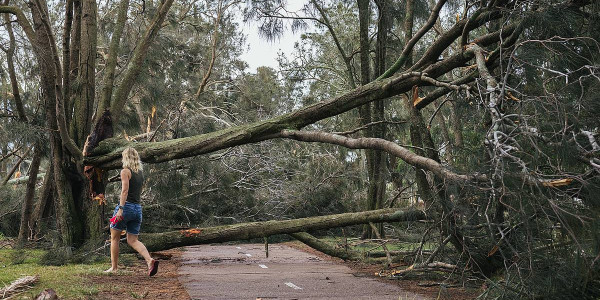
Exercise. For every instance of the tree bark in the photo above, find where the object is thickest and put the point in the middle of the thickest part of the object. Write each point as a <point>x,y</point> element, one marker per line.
<point>87,74</point>
<point>74,51</point>
<point>244,231</point>
<point>68,220</point>
<point>406,155</point>
<point>456,125</point>
<point>377,166</point>
<point>44,205</point>
<point>10,53</point>
<point>26,226</point>
<point>66,59</point>
<point>408,27</point>
<point>364,21</point>
<point>324,247</point>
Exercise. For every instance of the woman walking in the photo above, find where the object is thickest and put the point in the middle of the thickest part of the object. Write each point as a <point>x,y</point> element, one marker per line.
<point>128,213</point>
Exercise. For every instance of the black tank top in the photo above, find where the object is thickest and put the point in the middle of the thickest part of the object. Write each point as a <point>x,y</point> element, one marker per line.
<point>135,186</point>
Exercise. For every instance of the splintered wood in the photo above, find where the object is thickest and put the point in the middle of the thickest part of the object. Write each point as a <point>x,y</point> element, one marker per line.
<point>18,286</point>
<point>558,183</point>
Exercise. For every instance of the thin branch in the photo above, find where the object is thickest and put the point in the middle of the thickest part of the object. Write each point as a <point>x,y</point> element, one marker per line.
<point>384,145</point>
<point>367,126</point>
<point>15,167</point>
<point>413,41</point>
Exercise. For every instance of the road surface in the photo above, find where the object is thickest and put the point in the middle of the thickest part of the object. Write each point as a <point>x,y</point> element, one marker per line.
<point>243,272</point>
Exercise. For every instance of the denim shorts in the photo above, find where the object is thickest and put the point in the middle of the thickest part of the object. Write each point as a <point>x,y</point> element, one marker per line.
<point>132,218</point>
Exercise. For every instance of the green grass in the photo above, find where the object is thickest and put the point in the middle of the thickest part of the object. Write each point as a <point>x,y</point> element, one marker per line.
<point>65,280</point>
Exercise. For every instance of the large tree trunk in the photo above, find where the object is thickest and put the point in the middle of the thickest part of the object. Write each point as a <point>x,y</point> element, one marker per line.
<point>68,220</point>
<point>245,231</point>
<point>92,212</point>
<point>108,154</point>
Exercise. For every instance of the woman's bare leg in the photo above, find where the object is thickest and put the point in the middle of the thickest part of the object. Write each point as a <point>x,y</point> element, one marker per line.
<point>115,236</point>
<point>133,241</point>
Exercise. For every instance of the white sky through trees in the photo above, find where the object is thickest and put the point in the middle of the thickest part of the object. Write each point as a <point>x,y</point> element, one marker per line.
<point>263,52</point>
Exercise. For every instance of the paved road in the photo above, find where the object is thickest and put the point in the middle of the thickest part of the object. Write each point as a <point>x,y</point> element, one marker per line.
<point>243,272</point>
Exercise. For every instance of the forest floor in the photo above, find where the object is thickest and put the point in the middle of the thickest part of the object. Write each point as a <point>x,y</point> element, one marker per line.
<point>132,281</point>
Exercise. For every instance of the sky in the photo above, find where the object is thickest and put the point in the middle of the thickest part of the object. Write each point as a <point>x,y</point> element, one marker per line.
<point>263,52</point>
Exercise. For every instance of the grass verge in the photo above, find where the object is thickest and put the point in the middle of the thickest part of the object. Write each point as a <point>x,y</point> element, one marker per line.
<point>68,281</point>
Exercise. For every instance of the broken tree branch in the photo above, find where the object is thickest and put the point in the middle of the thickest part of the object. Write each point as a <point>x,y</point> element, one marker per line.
<point>384,145</point>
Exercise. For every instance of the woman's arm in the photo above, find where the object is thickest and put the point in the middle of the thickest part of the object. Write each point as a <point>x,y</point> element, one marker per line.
<point>125,176</point>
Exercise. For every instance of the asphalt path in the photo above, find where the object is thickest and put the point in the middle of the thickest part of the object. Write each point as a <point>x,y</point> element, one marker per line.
<point>243,272</point>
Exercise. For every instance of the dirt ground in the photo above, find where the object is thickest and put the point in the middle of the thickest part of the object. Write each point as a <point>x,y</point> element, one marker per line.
<point>133,283</point>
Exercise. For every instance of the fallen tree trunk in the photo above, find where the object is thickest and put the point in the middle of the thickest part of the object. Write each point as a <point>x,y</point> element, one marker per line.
<point>347,254</point>
<point>331,250</point>
<point>108,154</point>
<point>245,231</point>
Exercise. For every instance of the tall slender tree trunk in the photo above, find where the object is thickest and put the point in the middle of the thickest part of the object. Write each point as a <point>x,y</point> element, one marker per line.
<point>87,74</point>
<point>378,165</point>
<point>408,27</point>
<point>439,118</point>
<point>11,69</point>
<point>456,125</point>
<point>26,226</point>
<point>44,205</point>
<point>74,50</point>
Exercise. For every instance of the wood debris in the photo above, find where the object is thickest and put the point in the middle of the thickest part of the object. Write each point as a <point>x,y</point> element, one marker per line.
<point>18,286</point>
<point>558,182</point>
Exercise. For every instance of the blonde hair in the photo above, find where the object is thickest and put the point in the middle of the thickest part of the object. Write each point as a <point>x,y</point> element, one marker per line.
<point>131,160</point>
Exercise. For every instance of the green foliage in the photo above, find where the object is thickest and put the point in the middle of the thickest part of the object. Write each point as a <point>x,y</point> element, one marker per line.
<point>11,198</point>
<point>17,257</point>
<point>57,256</point>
